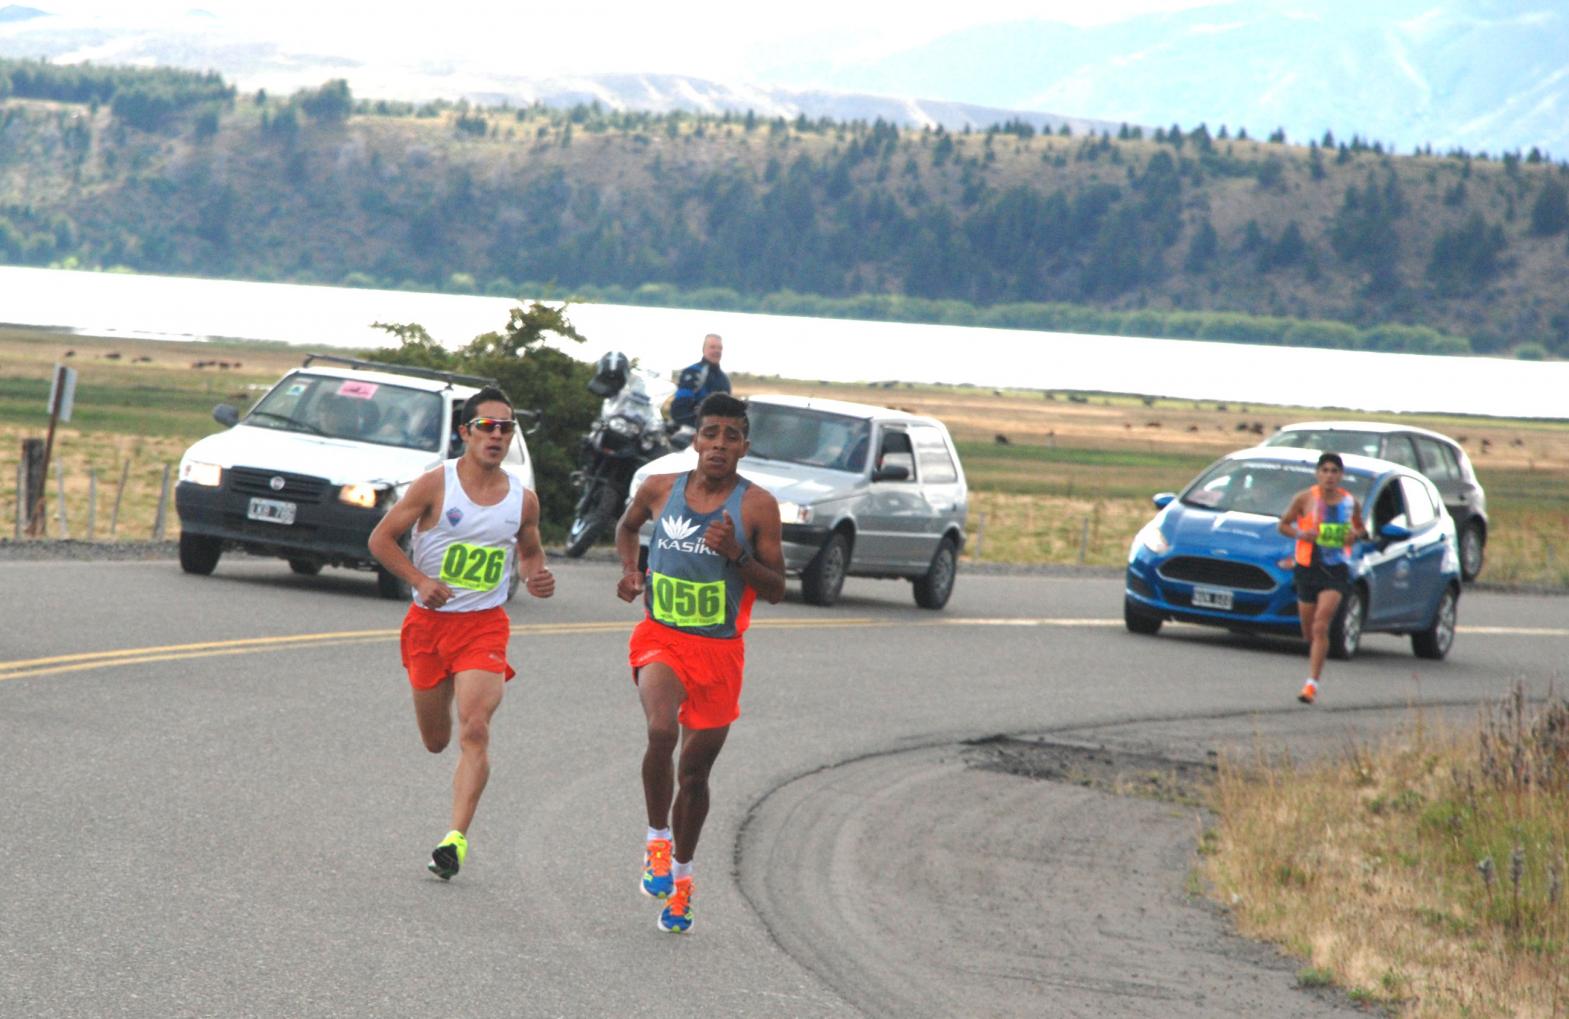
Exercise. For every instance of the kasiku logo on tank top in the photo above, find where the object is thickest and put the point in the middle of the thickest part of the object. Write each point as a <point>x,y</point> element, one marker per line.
<point>678,536</point>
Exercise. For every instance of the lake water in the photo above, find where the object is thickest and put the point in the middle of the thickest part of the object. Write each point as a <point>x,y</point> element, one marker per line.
<point>834,350</point>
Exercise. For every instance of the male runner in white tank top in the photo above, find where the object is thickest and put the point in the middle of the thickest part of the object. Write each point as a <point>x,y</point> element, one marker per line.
<point>470,515</point>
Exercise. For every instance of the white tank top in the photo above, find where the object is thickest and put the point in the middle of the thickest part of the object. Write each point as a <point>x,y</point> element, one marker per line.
<point>471,548</point>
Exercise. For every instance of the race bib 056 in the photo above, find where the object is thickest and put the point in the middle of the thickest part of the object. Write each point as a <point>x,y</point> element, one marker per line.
<point>1334,535</point>
<point>687,603</point>
<point>473,567</point>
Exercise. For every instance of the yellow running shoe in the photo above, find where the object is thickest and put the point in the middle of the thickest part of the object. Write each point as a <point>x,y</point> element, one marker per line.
<point>446,858</point>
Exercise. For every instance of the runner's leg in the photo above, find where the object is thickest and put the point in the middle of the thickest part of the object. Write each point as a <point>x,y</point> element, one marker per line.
<point>699,749</point>
<point>478,694</point>
<point>1328,603</point>
<point>661,693</point>
<point>433,715</point>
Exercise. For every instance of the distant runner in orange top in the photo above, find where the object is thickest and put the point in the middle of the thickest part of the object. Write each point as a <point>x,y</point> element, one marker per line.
<point>1326,521</point>
<point>471,517</point>
<point>715,548</point>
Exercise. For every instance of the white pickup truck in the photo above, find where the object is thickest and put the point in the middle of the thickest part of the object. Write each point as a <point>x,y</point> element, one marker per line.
<point>307,473</point>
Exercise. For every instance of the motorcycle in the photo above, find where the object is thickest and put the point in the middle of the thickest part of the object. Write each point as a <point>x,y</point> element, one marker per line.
<point>628,433</point>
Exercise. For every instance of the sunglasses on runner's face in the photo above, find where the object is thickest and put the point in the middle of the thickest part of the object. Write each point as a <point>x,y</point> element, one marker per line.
<point>493,425</point>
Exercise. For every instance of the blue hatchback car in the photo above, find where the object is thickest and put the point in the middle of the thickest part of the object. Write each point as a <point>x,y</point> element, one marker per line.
<point>1213,554</point>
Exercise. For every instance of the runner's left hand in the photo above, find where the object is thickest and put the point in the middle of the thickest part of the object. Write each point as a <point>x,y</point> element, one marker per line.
<point>542,584</point>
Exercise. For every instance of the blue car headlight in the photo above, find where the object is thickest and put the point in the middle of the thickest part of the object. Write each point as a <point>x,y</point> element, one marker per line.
<point>1151,538</point>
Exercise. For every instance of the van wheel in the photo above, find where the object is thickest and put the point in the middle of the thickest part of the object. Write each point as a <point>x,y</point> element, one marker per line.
<point>932,591</point>
<point>1472,551</point>
<point>823,578</point>
<point>199,553</point>
<point>305,567</point>
<point>1345,630</point>
<point>1435,641</point>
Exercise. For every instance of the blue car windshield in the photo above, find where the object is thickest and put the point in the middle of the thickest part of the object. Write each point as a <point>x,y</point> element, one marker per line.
<point>1264,487</point>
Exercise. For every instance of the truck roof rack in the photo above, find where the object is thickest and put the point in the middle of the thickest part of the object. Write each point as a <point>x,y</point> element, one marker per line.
<point>401,369</point>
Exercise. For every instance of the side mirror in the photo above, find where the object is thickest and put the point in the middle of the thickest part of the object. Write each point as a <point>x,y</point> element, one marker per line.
<point>893,472</point>
<point>1163,499</point>
<point>226,415</point>
<point>1394,532</point>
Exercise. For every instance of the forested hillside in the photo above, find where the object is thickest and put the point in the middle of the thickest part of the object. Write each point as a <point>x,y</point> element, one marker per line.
<point>1184,231</point>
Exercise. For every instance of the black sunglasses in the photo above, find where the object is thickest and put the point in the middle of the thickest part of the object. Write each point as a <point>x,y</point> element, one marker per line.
<point>493,425</point>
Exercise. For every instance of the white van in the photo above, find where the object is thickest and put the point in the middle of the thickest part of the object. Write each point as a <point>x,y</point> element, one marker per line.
<point>310,470</point>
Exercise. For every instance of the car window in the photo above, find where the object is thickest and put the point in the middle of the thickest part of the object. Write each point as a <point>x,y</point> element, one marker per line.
<point>931,454</point>
<point>1265,487</point>
<point>1390,507</point>
<point>1420,509</point>
<point>1438,461</point>
<point>355,409</point>
<point>1327,440</point>
<point>1397,449</point>
<point>896,451</point>
<point>811,437</point>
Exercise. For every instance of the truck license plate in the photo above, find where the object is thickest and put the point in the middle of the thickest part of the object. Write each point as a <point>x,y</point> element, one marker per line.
<point>1211,598</point>
<point>273,511</point>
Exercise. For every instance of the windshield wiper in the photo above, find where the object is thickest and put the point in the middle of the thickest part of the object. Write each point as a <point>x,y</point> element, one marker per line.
<point>286,420</point>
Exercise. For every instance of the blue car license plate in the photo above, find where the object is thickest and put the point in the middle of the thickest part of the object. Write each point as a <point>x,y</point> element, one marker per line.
<point>1211,598</point>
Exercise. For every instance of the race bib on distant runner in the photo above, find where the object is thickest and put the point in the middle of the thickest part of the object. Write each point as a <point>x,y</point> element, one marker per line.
<point>473,567</point>
<point>1334,535</point>
<point>687,603</point>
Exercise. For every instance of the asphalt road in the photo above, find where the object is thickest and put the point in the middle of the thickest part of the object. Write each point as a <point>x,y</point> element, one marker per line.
<point>214,803</point>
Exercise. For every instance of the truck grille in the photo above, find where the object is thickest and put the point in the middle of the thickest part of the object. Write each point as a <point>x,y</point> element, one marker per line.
<point>296,487</point>
<point>1219,572</point>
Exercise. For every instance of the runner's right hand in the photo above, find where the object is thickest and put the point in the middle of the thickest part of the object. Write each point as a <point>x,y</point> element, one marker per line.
<point>630,587</point>
<point>433,594</point>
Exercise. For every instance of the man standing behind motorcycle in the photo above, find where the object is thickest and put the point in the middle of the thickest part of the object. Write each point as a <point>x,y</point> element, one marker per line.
<point>698,381</point>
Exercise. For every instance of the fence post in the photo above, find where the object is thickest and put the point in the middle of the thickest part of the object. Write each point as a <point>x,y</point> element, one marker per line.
<point>92,503</point>
<point>114,517</point>
<point>1084,540</point>
<point>33,457</point>
<point>21,497</point>
<point>163,506</point>
<point>980,536</point>
<point>59,480</point>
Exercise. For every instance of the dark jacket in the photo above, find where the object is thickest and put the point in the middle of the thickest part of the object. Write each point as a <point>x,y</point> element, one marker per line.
<point>696,382</point>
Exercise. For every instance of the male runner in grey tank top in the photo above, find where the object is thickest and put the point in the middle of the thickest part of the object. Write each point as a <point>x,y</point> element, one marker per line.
<point>715,548</point>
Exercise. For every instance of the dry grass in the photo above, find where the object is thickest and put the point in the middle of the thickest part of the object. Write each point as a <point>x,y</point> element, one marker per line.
<point>1424,873</point>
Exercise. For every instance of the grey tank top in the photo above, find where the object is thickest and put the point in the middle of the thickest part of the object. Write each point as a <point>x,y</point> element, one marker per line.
<point>689,586</point>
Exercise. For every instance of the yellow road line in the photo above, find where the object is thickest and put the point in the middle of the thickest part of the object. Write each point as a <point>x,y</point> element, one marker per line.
<point>23,668</point>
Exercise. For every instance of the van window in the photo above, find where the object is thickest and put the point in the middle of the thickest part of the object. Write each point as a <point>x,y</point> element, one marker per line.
<point>1419,503</point>
<point>896,451</point>
<point>1397,449</point>
<point>1438,461</point>
<point>931,453</point>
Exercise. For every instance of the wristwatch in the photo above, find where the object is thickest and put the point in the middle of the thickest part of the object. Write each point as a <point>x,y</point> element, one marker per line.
<point>742,559</point>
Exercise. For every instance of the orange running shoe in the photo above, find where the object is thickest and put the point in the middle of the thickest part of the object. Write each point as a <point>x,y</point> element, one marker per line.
<point>677,915</point>
<point>1309,692</point>
<point>656,869</point>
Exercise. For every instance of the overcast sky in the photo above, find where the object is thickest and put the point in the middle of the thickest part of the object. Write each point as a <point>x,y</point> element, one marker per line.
<point>704,39</point>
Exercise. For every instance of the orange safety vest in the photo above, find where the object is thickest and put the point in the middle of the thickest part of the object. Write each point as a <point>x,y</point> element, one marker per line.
<point>1312,519</point>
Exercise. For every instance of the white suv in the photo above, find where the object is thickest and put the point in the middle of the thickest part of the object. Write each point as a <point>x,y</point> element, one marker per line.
<point>310,470</point>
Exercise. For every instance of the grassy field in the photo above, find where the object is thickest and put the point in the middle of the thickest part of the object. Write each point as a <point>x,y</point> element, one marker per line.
<point>1423,874</point>
<point>1055,477</point>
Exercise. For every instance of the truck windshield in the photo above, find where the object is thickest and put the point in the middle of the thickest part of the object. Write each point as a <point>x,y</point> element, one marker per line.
<point>810,437</point>
<point>352,409</point>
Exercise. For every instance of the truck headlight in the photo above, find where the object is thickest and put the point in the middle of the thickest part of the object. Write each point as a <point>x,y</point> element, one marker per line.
<point>359,494</point>
<point>791,513</point>
<point>198,473</point>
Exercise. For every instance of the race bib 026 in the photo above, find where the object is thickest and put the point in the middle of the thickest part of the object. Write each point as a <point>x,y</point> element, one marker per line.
<point>687,603</point>
<point>473,567</point>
